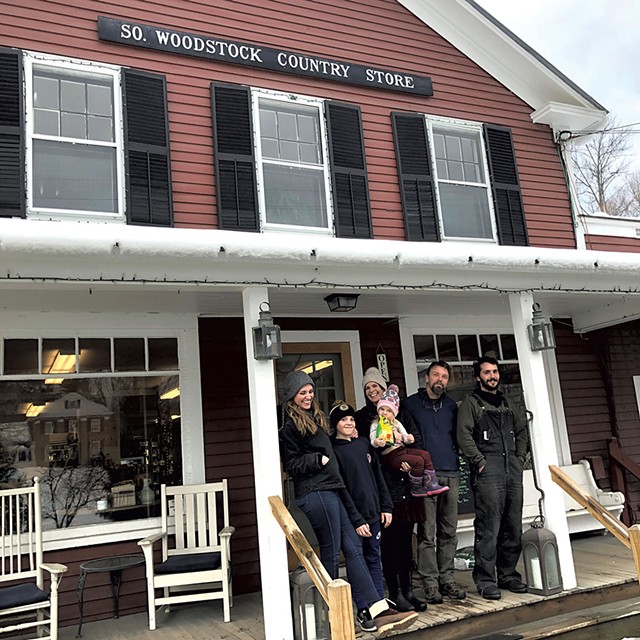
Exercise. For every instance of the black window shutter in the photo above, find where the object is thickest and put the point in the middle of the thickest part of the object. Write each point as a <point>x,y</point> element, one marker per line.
<point>507,198</point>
<point>148,182</point>
<point>12,185</point>
<point>234,158</point>
<point>416,177</point>
<point>348,171</point>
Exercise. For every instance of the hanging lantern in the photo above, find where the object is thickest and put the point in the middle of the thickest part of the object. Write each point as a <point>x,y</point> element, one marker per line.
<point>541,560</point>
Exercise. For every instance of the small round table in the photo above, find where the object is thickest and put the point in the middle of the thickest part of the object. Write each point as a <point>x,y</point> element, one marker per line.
<point>115,565</point>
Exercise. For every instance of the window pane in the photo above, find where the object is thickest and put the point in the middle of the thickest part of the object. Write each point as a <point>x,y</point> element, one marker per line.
<point>465,211</point>
<point>163,354</point>
<point>289,151</point>
<point>270,148</point>
<point>424,348</point>
<point>90,440</point>
<point>45,92</point>
<point>287,126</point>
<point>100,128</point>
<point>295,196</point>
<point>456,171</point>
<point>268,123</point>
<point>489,346</point>
<point>20,356</point>
<point>46,122</point>
<point>95,354</point>
<point>307,129</point>
<point>129,354</point>
<point>99,100</point>
<point>509,351</point>
<point>74,176</point>
<point>58,355</point>
<point>447,348</point>
<point>73,125</point>
<point>452,147</point>
<point>468,347</point>
<point>309,153</point>
<point>72,96</point>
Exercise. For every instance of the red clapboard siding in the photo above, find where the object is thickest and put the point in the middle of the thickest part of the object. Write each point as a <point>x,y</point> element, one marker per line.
<point>612,243</point>
<point>583,392</point>
<point>380,33</point>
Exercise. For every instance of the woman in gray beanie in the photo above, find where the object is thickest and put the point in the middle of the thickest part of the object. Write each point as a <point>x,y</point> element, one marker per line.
<point>321,495</point>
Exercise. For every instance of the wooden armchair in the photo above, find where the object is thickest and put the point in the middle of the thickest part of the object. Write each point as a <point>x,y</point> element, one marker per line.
<point>25,606</point>
<point>196,553</point>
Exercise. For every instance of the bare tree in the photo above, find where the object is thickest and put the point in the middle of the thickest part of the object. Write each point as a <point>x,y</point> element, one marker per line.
<point>67,489</point>
<point>626,201</point>
<point>601,169</point>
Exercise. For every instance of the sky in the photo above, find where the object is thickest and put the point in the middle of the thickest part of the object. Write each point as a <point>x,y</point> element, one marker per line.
<point>595,43</point>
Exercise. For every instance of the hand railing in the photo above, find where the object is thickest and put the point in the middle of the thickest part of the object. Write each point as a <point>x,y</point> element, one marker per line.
<point>336,593</point>
<point>629,536</point>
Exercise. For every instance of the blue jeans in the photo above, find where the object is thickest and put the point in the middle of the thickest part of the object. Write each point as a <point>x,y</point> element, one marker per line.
<point>334,531</point>
<point>372,556</point>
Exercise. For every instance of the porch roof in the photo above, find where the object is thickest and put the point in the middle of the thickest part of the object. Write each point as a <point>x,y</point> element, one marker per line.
<point>200,263</point>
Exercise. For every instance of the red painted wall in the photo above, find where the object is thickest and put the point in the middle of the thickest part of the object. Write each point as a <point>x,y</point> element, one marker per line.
<point>376,32</point>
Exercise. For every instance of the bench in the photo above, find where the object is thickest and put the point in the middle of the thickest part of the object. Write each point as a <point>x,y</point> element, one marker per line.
<point>578,519</point>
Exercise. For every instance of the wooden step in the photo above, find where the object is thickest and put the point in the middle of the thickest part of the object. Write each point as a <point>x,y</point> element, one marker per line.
<point>625,613</point>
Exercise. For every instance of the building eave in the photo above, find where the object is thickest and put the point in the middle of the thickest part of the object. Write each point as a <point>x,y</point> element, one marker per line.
<point>512,62</point>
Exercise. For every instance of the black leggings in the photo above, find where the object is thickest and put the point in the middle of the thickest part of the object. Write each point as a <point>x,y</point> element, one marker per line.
<point>397,553</point>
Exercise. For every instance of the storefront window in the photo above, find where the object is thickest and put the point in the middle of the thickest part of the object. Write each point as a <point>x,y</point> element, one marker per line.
<point>460,351</point>
<point>102,443</point>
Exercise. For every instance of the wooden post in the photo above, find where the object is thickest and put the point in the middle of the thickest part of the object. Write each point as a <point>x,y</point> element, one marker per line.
<point>340,611</point>
<point>634,538</point>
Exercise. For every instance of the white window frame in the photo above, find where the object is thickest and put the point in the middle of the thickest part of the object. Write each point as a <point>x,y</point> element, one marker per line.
<point>495,324</point>
<point>82,68</point>
<point>256,95</point>
<point>462,126</point>
<point>89,325</point>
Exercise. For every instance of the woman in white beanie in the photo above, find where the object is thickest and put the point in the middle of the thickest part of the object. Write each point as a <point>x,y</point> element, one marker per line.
<point>397,538</point>
<point>321,495</point>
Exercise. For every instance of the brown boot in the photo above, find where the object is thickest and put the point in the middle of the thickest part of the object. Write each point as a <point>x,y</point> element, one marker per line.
<point>392,620</point>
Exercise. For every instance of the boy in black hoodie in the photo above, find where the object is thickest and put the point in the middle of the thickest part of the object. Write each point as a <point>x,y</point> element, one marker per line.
<point>361,472</point>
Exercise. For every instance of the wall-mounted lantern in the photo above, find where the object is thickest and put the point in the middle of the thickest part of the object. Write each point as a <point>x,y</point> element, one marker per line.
<point>267,344</point>
<point>540,331</point>
<point>342,301</point>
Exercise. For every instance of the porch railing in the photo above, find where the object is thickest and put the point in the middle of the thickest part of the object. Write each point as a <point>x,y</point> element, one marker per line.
<point>336,593</point>
<point>619,462</point>
<point>629,536</point>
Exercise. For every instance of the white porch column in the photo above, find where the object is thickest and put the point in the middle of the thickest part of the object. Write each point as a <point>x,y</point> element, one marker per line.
<point>276,602</point>
<point>534,382</point>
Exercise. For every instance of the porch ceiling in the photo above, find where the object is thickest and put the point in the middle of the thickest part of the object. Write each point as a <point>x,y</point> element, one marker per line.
<point>588,310</point>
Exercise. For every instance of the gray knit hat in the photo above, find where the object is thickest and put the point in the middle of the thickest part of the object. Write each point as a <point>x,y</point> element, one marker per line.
<point>294,381</point>
<point>373,375</point>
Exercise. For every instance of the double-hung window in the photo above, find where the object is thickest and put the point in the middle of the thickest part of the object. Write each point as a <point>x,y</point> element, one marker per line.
<point>82,141</point>
<point>74,139</point>
<point>458,180</point>
<point>292,162</point>
<point>289,163</point>
<point>462,183</point>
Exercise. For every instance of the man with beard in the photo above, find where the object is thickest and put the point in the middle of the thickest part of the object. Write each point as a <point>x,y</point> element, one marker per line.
<point>435,416</point>
<point>492,435</point>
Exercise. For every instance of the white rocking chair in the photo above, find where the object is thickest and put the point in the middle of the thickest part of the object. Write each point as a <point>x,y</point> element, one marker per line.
<point>197,557</point>
<point>24,604</point>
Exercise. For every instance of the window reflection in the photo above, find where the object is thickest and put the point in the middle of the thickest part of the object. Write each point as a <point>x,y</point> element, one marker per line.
<point>95,442</point>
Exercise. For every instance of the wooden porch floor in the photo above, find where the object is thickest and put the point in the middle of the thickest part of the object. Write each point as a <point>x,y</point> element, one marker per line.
<point>603,566</point>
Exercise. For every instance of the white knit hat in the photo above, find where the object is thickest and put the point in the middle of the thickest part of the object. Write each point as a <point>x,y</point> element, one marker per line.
<point>373,375</point>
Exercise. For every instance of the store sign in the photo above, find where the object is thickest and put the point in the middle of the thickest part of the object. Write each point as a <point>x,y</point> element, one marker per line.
<point>253,55</point>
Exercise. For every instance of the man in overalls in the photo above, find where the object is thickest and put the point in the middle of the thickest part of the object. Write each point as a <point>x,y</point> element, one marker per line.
<point>492,436</point>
